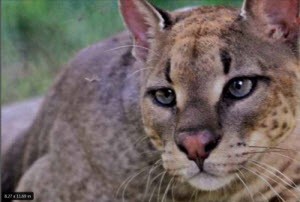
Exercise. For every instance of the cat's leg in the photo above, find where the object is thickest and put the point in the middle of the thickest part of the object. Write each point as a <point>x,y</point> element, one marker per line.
<point>38,179</point>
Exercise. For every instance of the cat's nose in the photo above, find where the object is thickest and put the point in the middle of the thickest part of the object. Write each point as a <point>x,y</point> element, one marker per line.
<point>197,145</point>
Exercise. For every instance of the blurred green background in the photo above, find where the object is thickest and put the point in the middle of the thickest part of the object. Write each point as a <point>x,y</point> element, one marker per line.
<point>39,36</point>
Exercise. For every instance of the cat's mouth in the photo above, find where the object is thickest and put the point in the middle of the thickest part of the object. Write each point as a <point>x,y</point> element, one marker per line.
<point>208,176</point>
<point>203,173</point>
<point>209,182</point>
<point>205,180</point>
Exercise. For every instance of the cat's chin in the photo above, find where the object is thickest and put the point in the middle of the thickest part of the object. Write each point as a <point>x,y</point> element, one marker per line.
<point>207,182</point>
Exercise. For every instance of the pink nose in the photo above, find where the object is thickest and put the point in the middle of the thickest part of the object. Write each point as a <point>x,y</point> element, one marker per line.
<point>197,145</point>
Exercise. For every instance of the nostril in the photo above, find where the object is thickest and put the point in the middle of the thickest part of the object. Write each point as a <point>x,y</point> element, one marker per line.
<point>212,145</point>
<point>197,145</point>
<point>183,149</point>
<point>209,147</point>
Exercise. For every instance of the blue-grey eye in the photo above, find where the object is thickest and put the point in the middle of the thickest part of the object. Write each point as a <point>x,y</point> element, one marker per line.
<point>241,87</point>
<point>165,97</point>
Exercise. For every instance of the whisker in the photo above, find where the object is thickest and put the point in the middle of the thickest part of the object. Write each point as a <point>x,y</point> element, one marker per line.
<point>262,152</point>
<point>150,152</point>
<point>244,183</point>
<point>152,194</point>
<point>172,192</point>
<point>128,182</point>
<point>264,197</point>
<point>263,179</point>
<point>178,168</point>
<point>280,184</point>
<point>242,153</point>
<point>196,197</point>
<point>166,191</point>
<point>278,148</point>
<point>193,194</point>
<point>209,195</point>
<point>158,163</point>
<point>140,140</point>
<point>132,45</point>
<point>159,187</point>
<point>289,182</point>
<point>296,161</point>
<point>157,176</point>
<point>135,72</point>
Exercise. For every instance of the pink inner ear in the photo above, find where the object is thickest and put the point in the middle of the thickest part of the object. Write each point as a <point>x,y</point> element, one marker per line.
<point>282,11</point>
<point>136,23</point>
<point>282,16</point>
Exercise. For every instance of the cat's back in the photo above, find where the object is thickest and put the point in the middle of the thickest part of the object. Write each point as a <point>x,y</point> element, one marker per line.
<point>93,100</point>
<point>97,64</point>
<point>100,85</point>
<point>90,87</point>
<point>95,76</point>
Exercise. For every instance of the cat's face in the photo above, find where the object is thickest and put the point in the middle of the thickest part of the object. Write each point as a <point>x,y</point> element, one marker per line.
<point>216,92</point>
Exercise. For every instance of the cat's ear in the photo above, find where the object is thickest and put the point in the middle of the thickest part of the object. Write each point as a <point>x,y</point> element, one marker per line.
<point>279,18</point>
<point>143,21</point>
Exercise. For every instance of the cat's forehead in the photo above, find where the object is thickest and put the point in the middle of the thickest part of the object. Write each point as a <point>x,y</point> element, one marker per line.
<point>197,37</point>
<point>197,40</point>
<point>204,21</point>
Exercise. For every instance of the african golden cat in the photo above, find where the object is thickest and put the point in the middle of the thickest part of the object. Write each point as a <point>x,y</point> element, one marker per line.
<point>215,90</point>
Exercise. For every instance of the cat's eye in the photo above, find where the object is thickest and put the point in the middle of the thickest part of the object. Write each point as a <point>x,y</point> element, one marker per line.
<point>164,97</point>
<point>240,87</point>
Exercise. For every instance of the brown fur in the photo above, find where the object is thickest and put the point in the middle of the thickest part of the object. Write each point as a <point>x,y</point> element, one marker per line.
<point>94,135</point>
<point>266,119</point>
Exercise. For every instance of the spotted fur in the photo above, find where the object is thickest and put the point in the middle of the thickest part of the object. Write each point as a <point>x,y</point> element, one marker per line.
<point>90,142</point>
<point>248,157</point>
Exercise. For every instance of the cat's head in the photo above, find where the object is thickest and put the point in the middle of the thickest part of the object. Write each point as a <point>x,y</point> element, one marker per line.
<point>219,85</point>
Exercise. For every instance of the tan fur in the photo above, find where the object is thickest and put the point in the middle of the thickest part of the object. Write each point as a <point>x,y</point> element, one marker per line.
<point>95,132</point>
<point>271,116</point>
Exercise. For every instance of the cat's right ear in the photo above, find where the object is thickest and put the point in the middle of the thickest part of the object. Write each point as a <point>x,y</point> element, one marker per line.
<point>278,20</point>
<point>143,21</point>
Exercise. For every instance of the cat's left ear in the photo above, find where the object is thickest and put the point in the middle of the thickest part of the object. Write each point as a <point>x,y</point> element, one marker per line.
<point>277,19</point>
<point>144,21</point>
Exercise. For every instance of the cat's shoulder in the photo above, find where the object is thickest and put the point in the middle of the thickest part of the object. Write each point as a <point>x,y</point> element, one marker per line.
<point>102,55</point>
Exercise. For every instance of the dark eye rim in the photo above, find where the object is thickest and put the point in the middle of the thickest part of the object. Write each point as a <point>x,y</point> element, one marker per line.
<point>151,93</point>
<point>255,79</point>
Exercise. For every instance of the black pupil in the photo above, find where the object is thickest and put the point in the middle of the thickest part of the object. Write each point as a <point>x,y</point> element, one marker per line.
<point>238,85</point>
<point>168,93</point>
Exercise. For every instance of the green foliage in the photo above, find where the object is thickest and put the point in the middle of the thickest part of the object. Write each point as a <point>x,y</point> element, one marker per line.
<point>39,36</point>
